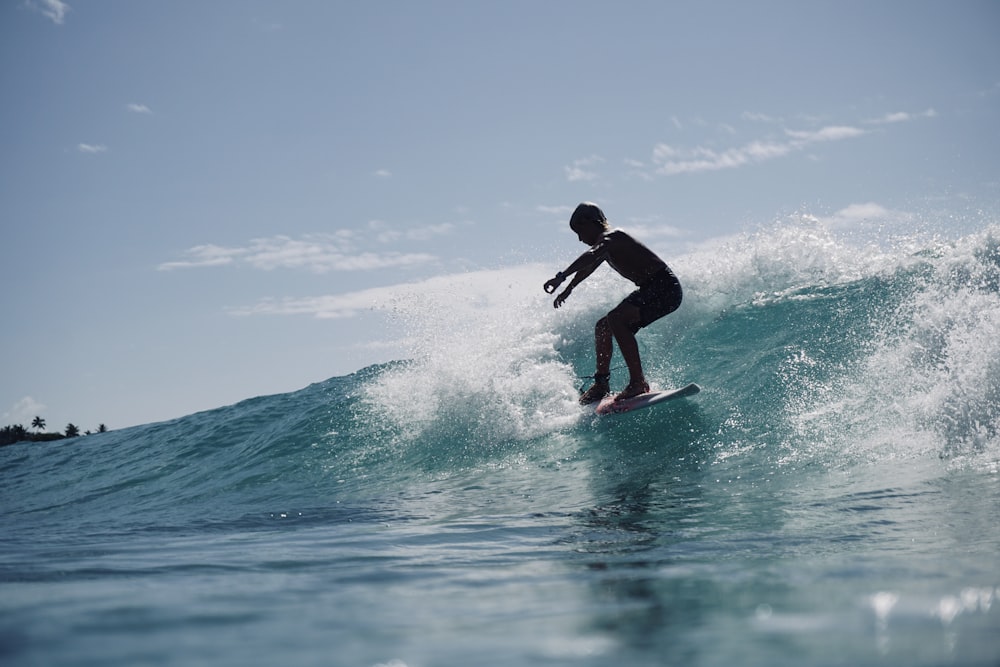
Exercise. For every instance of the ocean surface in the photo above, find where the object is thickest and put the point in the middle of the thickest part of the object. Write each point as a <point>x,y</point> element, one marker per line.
<point>831,497</point>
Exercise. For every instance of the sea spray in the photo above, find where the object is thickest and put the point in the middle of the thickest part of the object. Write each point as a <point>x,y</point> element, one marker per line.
<point>484,370</point>
<point>904,355</point>
<point>938,356</point>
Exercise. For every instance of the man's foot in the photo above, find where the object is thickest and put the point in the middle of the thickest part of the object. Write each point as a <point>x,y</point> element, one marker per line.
<point>599,390</point>
<point>632,390</point>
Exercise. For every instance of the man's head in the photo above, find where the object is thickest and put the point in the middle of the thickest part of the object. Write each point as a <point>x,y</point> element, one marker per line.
<point>585,213</point>
<point>589,223</point>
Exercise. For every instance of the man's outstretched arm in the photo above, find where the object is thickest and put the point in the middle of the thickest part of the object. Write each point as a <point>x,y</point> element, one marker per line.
<point>581,268</point>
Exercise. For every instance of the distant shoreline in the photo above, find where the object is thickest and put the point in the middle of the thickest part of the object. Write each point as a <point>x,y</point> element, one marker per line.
<point>14,434</point>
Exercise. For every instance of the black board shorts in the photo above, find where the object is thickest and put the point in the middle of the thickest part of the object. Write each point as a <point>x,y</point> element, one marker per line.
<point>658,296</point>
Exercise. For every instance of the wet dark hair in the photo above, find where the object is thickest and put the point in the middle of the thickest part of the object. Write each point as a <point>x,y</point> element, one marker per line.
<point>588,212</point>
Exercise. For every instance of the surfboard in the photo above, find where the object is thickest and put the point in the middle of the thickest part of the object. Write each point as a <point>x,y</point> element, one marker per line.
<point>608,406</point>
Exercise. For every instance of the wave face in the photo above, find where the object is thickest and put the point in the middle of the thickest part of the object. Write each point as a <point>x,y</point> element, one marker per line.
<point>833,487</point>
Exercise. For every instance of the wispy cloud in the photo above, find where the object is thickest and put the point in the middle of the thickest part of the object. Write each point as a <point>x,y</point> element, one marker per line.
<point>334,306</point>
<point>649,231</point>
<point>382,173</point>
<point>138,108</point>
<point>867,213</point>
<point>205,255</point>
<point>758,117</point>
<point>801,139</point>
<point>581,170</point>
<point>559,210</point>
<point>671,160</point>
<point>54,10</point>
<point>317,253</point>
<point>92,148</point>
<point>480,291</point>
<point>901,117</point>
<point>385,234</point>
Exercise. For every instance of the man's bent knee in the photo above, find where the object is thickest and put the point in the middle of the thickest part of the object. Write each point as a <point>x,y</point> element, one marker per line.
<point>623,317</point>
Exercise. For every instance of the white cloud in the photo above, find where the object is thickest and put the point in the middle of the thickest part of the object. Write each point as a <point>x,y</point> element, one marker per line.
<point>138,108</point>
<point>204,255</point>
<point>637,168</point>
<point>382,173</point>
<point>867,213</point>
<point>894,118</point>
<point>830,133</point>
<point>23,411</point>
<point>563,210</point>
<point>760,117</point>
<point>579,170</point>
<point>55,10</point>
<point>670,159</point>
<point>92,148</point>
<point>673,160</point>
<point>318,253</point>
<point>462,294</point>
<point>416,234</point>
<point>649,232</point>
<point>337,306</point>
<point>902,117</point>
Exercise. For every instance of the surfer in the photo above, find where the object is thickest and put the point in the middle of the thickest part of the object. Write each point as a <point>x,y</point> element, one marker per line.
<point>659,293</point>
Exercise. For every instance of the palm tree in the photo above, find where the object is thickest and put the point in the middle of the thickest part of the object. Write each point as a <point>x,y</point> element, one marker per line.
<point>38,424</point>
<point>102,429</point>
<point>72,430</point>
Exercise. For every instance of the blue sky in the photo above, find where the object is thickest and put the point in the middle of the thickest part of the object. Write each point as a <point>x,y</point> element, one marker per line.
<point>207,201</point>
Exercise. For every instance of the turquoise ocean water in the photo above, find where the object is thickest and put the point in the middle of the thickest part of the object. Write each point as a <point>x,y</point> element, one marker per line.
<point>832,497</point>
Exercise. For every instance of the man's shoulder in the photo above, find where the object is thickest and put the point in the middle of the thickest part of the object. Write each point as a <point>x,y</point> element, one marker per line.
<point>619,236</point>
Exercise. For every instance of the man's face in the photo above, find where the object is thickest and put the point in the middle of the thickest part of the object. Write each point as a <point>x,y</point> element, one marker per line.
<point>589,232</point>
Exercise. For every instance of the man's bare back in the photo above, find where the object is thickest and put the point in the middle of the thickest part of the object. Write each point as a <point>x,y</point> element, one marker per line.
<point>629,257</point>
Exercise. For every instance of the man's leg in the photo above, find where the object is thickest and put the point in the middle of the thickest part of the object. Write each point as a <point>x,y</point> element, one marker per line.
<point>602,351</point>
<point>620,321</point>
<point>602,346</point>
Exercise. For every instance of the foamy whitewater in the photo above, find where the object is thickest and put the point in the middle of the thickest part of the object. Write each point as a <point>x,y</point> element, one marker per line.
<point>830,498</point>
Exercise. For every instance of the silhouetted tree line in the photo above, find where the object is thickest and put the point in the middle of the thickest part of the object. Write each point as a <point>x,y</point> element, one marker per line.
<point>17,433</point>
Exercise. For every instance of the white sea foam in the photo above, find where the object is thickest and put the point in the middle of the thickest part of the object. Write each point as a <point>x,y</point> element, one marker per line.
<point>484,354</point>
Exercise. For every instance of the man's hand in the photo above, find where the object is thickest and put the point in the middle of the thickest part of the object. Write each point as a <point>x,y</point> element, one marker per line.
<point>551,285</point>
<point>561,299</point>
